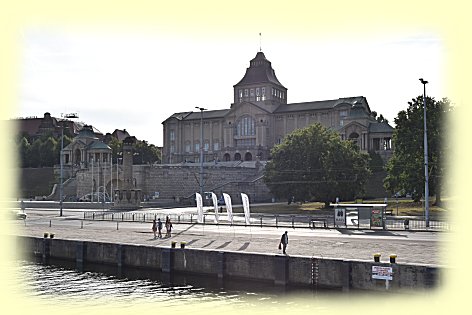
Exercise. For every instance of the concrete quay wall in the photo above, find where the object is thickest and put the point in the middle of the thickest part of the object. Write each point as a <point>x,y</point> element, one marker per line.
<point>278,269</point>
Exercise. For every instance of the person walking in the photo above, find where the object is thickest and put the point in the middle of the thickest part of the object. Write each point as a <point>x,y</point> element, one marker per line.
<point>154,227</point>
<point>284,242</point>
<point>159,228</point>
<point>168,227</point>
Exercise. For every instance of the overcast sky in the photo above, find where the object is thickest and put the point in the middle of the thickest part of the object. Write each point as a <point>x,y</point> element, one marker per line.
<point>135,80</point>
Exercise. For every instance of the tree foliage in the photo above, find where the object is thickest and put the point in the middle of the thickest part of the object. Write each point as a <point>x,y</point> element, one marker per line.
<point>45,151</point>
<point>146,153</point>
<point>315,164</point>
<point>406,167</point>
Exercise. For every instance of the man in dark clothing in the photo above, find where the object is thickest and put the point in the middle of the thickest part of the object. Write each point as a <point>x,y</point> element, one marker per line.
<point>284,241</point>
<point>159,228</point>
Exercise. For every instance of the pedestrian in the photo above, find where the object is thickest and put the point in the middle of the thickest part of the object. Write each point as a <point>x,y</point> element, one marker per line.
<point>154,227</point>
<point>168,227</point>
<point>283,242</point>
<point>159,228</point>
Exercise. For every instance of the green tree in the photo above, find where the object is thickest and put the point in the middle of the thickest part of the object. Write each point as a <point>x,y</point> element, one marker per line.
<point>35,154</point>
<point>146,153</point>
<point>406,167</point>
<point>24,149</point>
<point>47,151</point>
<point>376,164</point>
<point>116,148</point>
<point>315,164</point>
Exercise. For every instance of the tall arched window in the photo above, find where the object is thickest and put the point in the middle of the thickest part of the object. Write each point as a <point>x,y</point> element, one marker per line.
<point>246,126</point>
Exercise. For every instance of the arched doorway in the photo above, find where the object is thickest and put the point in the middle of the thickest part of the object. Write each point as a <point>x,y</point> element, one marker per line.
<point>354,137</point>
<point>237,157</point>
<point>77,156</point>
<point>226,157</point>
<point>248,156</point>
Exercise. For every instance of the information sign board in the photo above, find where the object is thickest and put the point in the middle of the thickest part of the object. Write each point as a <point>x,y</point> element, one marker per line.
<point>376,217</point>
<point>340,216</point>
<point>384,273</point>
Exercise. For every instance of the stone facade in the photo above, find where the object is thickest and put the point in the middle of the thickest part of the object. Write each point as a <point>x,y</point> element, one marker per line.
<point>178,183</point>
<point>260,118</point>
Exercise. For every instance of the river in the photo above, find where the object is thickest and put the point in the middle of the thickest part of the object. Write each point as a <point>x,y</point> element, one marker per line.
<point>59,281</point>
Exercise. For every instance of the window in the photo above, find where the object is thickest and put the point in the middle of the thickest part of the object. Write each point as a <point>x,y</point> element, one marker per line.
<point>246,92</point>
<point>187,147</point>
<point>240,93</point>
<point>246,126</point>
<point>172,148</point>
<point>172,135</point>
<point>258,94</point>
<point>246,142</point>
<point>206,146</point>
<point>252,92</point>
<point>263,94</point>
<point>197,147</point>
<point>216,146</point>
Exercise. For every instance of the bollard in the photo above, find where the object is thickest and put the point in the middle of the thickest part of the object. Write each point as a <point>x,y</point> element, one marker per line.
<point>46,235</point>
<point>377,257</point>
<point>51,235</point>
<point>182,244</point>
<point>172,244</point>
<point>81,224</point>
<point>117,226</point>
<point>49,223</point>
<point>393,258</point>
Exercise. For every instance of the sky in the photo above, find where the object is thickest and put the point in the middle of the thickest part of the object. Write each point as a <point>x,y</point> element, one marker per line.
<point>135,79</point>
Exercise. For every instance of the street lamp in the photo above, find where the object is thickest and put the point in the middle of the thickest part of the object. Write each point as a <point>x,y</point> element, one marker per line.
<point>201,148</point>
<point>426,179</point>
<point>61,188</point>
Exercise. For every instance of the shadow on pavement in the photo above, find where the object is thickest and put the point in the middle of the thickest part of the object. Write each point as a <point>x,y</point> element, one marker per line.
<point>368,232</point>
<point>245,245</point>
<point>224,245</point>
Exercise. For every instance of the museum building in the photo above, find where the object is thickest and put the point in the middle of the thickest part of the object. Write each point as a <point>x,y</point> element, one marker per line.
<point>260,117</point>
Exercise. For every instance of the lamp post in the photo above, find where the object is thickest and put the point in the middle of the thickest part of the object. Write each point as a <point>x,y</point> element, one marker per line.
<point>61,158</point>
<point>201,148</point>
<point>426,179</point>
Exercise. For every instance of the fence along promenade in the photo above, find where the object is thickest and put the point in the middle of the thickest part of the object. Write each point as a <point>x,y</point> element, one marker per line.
<point>274,220</point>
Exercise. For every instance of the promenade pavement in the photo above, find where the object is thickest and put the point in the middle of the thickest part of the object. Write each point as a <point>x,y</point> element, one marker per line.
<point>424,248</point>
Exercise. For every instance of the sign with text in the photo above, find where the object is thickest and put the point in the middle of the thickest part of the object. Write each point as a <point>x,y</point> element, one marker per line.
<point>376,217</point>
<point>340,216</point>
<point>384,273</point>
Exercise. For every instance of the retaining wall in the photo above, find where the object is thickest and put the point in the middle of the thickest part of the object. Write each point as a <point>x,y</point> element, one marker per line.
<point>278,269</point>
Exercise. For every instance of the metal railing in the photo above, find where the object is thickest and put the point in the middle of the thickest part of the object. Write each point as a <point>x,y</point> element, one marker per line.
<point>270,220</point>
